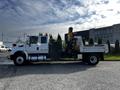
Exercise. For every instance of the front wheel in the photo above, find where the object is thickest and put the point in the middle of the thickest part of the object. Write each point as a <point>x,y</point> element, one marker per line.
<point>19,60</point>
<point>93,60</point>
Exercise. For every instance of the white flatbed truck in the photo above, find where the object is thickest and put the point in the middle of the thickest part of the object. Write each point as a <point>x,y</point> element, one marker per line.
<point>37,49</point>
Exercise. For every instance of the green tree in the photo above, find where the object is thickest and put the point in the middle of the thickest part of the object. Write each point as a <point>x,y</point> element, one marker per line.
<point>59,40</point>
<point>117,46</point>
<point>99,41</point>
<point>59,45</point>
<point>52,48</point>
<point>91,42</point>
<point>108,43</point>
<point>51,40</point>
<point>40,34</point>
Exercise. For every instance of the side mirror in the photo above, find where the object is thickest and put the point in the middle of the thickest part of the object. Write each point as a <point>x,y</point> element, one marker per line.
<point>14,45</point>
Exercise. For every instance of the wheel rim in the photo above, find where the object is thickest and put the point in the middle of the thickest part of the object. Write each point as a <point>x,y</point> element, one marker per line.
<point>19,60</point>
<point>93,59</point>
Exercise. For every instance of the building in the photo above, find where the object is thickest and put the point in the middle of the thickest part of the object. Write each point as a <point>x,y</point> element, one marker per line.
<point>105,34</point>
<point>84,34</point>
<point>111,33</point>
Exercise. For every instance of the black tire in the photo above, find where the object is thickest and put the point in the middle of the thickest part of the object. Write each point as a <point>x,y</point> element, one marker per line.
<point>19,60</point>
<point>84,59</point>
<point>93,59</point>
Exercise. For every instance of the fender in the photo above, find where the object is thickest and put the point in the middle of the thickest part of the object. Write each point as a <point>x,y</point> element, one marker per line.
<point>26,54</point>
<point>23,52</point>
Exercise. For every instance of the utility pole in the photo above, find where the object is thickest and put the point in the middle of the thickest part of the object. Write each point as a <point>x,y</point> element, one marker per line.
<point>2,36</point>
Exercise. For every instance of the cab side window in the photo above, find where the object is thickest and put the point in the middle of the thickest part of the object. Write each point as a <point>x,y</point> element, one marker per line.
<point>43,39</point>
<point>33,40</point>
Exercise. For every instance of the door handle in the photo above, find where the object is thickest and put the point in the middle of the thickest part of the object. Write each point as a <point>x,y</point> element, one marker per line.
<point>37,48</point>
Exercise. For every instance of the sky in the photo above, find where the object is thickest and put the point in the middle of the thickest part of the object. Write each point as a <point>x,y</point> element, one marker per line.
<point>19,17</point>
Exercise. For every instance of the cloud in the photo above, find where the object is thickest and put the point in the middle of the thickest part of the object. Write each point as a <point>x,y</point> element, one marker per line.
<point>54,15</point>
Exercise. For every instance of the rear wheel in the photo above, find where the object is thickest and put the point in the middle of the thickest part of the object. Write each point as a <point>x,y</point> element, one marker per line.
<point>93,59</point>
<point>19,60</point>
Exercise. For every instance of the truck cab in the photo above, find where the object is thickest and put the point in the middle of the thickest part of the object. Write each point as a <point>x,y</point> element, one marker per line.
<point>35,48</point>
<point>37,44</point>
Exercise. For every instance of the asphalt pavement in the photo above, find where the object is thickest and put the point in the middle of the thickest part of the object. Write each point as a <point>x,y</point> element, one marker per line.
<point>60,76</point>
